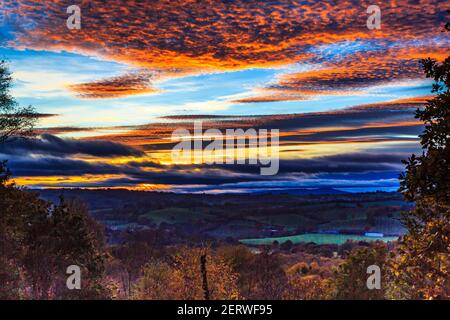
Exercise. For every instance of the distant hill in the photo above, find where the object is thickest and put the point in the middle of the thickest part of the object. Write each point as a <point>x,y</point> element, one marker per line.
<point>259,213</point>
<point>304,191</point>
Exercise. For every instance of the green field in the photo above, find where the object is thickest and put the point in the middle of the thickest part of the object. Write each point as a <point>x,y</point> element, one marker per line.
<point>316,238</point>
<point>288,221</point>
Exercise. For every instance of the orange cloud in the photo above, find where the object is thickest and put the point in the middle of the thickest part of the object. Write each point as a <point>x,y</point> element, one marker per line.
<point>271,98</point>
<point>155,139</point>
<point>357,72</point>
<point>125,85</point>
<point>399,104</point>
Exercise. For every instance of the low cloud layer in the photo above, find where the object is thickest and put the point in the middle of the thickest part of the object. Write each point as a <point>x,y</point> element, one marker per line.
<point>117,87</point>
<point>51,145</point>
<point>361,140</point>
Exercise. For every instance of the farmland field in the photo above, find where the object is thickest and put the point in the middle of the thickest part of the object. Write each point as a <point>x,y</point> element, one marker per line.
<point>316,238</point>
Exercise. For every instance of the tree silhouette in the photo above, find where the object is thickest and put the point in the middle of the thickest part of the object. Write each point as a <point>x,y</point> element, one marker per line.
<point>424,264</point>
<point>14,120</point>
<point>39,240</point>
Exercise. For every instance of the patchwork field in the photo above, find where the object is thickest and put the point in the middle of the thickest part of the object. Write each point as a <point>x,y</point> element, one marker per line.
<point>316,238</point>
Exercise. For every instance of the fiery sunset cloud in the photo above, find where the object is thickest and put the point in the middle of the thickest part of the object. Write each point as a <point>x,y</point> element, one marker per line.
<point>115,87</point>
<point>195,37</point>
<point>112,93</point>
<point>351,75</point>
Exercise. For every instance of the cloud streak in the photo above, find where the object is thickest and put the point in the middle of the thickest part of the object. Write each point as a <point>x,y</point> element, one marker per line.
<point>116,87</point>
<point>311,146</point>
<point>48,144</point>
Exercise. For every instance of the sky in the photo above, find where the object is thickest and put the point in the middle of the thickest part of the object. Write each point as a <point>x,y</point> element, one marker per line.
<point>111,93</point>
